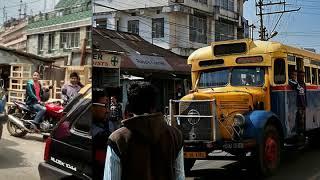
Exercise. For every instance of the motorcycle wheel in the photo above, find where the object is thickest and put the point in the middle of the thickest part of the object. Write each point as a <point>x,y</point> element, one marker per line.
<point>13,129</point>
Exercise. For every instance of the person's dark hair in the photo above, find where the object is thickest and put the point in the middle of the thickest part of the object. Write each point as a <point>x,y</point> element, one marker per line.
<point>97,94</point>
<point>74,74</point>
<point>36,71</point>
<point>142,97</point>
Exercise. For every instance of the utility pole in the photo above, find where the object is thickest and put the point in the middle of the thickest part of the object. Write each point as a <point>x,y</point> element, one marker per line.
<point>25,10</point>
<point>262,29</point>
<point>260,5</point>
<point>20,9</point>
<point>45,6</point>
<point>5,15</point>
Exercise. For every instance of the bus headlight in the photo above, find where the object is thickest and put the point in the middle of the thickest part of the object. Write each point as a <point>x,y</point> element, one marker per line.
<point>239,120</point>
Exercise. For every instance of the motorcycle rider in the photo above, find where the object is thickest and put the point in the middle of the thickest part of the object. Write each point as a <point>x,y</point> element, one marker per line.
<point>71,89</point>
<point>34,97</point>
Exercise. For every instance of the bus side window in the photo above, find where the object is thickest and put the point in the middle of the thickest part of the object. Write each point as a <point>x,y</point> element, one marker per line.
<point>314,76</point>
<point>279,71</point>
<point>291,68</point>
<point>307,74</point>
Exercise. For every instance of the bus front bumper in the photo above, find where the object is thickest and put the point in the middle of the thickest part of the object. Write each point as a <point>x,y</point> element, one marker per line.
<point>203,149</point>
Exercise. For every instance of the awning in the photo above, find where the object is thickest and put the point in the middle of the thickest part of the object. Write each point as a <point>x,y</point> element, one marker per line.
<point>145,63</point>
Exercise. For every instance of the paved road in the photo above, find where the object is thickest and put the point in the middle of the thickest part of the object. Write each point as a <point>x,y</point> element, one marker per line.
<point>19,157</point>
<point>298,165</point>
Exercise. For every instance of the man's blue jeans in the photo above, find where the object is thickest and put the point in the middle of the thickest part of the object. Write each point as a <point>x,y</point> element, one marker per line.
<point>41,110</point>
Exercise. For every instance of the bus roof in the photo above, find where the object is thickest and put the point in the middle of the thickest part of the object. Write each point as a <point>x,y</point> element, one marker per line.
<point>256,47</point>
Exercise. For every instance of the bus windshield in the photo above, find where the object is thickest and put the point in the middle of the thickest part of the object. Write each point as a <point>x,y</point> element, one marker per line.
<point>235,76</point>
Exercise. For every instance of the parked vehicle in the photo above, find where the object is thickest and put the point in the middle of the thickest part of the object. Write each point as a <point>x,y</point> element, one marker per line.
<point>21,116</point>
<point>68,150</point>
<point>241,103</point>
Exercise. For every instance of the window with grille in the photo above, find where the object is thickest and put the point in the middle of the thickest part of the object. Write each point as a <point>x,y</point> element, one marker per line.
<point>133,26</point>
<point>70,39</point>
<point>51,42</point>
<point>226,4</point>
<point>224,31</point>
<point>158,28</point>
<point>40,42</point>
<point>202,1</point>
<point>198,29</point>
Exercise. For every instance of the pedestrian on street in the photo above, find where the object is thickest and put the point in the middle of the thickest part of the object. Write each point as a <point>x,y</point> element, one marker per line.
<point>71,89</point>
<point>296,81</point>
<point>115,114</point>
<point>34,97</point>
<point>145,148</point>
<point>99,131</point>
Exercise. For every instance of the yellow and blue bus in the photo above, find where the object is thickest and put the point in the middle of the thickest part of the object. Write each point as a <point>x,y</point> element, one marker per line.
<point>241,102</point>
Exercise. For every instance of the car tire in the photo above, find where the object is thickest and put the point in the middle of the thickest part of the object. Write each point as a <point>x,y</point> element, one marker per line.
<point>188,164</point>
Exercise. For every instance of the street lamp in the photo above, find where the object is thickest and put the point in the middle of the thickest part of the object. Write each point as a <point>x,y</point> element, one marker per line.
<point>273,35</point>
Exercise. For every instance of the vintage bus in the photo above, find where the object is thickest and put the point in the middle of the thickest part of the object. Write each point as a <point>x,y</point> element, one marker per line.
<point>242,104</point>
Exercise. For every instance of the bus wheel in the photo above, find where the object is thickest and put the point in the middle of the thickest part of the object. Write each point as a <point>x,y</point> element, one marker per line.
<point>188,164</point>
<point>269,151</point>
<point>314,139</point>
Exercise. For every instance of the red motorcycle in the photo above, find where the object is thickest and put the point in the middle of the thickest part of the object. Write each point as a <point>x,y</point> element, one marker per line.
<point>20,117</point>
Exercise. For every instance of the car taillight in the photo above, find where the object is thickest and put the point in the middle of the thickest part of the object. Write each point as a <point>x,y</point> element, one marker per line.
<point>47,149</point>
<point>100,156</point>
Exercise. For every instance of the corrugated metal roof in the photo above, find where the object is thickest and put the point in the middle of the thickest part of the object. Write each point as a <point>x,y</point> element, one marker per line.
<point>139,54</point>
<point>21,53</point>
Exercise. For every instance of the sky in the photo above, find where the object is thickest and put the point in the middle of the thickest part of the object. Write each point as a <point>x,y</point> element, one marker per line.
<point>300,29</point>
<point>33,6</point>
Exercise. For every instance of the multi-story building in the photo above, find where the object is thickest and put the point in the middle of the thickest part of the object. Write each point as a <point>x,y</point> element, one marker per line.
<point>13,34</point>
<point>62,32</point>
<point>180,25</point>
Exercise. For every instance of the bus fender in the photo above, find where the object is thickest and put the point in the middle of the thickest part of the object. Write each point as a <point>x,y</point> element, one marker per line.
<point>256,122</point>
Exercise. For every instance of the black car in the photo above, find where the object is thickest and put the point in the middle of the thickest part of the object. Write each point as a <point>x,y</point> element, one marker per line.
<point>68,152</point>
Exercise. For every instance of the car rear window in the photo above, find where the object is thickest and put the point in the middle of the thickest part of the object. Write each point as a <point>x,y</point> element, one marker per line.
<point>83,123</point>
<point>75,115</point>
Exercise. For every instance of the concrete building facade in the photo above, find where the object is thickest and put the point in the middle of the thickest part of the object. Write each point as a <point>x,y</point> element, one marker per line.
<point>181,26</point>
<point>13,34</point>
<point>62,32</point>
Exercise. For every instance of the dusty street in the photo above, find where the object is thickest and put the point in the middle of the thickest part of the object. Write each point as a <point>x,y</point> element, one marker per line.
<point>19,157</point>
<point>303,165</point>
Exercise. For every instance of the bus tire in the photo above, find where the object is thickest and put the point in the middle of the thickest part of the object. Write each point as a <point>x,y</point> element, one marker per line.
<point>314,139</point>
<point>188,164</point>
<point>269,151</point>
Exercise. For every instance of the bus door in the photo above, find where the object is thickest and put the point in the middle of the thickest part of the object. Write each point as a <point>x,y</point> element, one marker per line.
<point>282,97</point>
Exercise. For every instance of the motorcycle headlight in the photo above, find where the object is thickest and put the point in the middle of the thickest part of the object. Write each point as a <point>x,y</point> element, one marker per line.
<point>239,120</point>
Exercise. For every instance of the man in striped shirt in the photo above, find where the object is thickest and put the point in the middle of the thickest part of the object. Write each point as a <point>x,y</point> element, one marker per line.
<point>145,148</point>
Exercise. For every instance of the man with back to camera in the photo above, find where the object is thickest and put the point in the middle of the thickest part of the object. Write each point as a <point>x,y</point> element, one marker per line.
<point>145,148</point>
